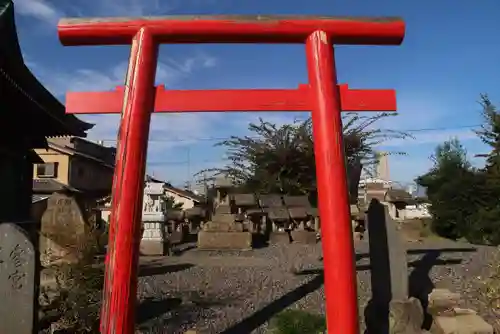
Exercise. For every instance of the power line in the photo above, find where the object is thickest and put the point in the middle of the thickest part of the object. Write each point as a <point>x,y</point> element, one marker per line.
<point>200,139</point>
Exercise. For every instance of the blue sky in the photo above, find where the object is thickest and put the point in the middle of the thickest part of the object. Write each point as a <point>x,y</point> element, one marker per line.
<point>450,55</point>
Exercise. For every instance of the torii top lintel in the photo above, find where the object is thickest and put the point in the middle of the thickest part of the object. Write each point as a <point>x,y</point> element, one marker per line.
<point>232,29</point>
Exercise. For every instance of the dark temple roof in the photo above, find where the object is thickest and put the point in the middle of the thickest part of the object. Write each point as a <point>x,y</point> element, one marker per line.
<point>25,103</point>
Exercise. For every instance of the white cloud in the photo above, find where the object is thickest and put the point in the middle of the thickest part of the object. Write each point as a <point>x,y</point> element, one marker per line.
<point>134,7</point>
<point>38,9</point>
<point>49,12</point>
<point>169,71</point>
<point>164,127</point>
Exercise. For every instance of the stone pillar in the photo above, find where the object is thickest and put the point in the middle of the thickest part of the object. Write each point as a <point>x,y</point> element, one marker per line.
<point>153,239</point>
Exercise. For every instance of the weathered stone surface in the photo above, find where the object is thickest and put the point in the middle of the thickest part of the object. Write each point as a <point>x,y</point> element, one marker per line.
<point>218,226</point>
<point>357,236</point>
<point>442,301</point>
<point>387,255</point>
<point>244,199</point>
<point>304,237</point>
<point>153,247</point>
<point>279,238</point>
<point>405,316</point>
<point>270,201</point>
<point>298,212</point>
<point>224,218</point>
<point>461,324</point>
<point>18,281</point>
<point>62,226</point>
<point>278,213</point>
<point>223,209</point>
<point>177,237</point>
<point>224,240</point>
<point>301,201</point>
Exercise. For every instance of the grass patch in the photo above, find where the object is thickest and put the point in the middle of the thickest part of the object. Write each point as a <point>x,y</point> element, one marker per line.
<point>298,322</point>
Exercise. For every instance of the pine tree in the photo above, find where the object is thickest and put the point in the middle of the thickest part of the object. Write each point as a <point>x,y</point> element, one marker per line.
<point>450,188</point>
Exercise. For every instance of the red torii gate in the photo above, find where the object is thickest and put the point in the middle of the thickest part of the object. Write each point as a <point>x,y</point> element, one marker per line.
<point>139,98</point>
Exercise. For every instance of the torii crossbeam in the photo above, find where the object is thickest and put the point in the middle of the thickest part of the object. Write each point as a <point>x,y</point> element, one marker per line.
<point>322,96</point>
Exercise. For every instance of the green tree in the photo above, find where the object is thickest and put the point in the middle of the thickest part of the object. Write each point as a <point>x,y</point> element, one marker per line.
<point>280,159</point>
<point>451,185</point>
<point>490,131</point>
<point>485,224</point>
<point>171,205</point>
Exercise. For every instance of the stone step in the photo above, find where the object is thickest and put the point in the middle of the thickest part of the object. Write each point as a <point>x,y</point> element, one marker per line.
<point>225,218</point>
<point>218,226</point>
<point>224,240</point>
<point>223,209</point>
<point>461,324</point>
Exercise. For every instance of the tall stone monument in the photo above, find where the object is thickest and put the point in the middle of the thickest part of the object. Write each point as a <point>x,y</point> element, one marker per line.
<point>63,225</point>
<point>223,231</point>
<point>19,281</point>
<point>154,241</point>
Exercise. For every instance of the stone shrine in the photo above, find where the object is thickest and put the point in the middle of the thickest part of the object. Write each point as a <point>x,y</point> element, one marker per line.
<point>223,231</point>
<point>154,241</point>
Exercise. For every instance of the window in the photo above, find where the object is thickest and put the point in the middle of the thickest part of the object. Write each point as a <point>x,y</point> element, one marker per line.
<point>47,169</point>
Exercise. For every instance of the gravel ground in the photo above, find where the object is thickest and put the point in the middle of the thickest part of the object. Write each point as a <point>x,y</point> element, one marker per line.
<point>231,292</point>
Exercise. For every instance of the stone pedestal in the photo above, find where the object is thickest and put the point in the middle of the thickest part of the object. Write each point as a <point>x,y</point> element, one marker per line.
<point>153,240</point>
<point>213,240</point>
<point>461,324</point>
<point>224,233</point>
<point>304,237</point>
<point>279,238</point>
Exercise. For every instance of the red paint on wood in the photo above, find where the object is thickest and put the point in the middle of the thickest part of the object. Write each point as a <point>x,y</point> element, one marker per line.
<point>250,100</point>
<point>232,29</point>
<point>322,96</point>
<point>120,287</point>
<point>336,227</point>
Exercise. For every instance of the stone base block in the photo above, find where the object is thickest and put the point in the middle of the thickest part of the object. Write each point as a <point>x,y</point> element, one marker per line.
<point>221,226</point>
<point>279,238</point>
<point>303,237</point>
<point>224,240</point>
<point>461,324</point>
<point>177,237</point>
<point>153,247</point>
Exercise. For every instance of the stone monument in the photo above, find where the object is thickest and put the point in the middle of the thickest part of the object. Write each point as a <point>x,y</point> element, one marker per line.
<point>63,224</point>
<point>154,241</point>
<point>223,231</point>
<point>19,281</point>
<point>390,310</point>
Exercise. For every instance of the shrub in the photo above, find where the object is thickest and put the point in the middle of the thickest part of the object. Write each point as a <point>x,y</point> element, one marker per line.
<point>76,295</point>
<point>298,322</point>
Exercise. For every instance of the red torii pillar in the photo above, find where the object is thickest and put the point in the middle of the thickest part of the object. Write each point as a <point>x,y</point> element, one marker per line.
<point>139,98</point>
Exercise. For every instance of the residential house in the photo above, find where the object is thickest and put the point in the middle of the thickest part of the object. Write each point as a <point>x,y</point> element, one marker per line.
<point>76,163</point>
<point>186,197</point>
